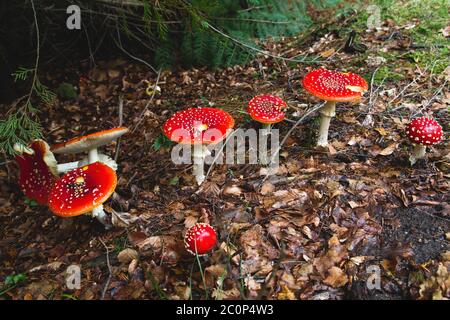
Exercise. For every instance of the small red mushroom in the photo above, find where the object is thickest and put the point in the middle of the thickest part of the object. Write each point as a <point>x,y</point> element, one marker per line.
<point>200,239</point>
<point>266,109</point>
<point>198,127</point>
<point>333,86</point>
<point>423,132</point>
<point>37,170</point>
<point>83,190</point>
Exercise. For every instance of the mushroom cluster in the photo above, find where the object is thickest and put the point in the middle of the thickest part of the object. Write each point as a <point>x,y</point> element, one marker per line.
<point>86,184</point>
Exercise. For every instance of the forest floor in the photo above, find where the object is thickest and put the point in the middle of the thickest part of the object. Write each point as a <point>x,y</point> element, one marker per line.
<point>322,228</point>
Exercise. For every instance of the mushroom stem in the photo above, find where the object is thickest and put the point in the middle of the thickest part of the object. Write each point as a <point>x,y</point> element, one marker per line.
<point>327,112</point>
<point>266,129</point>
<point>200,152</point>
<point>101,158</point>
<point>93,155</point>
<point>101,216</point>
<point>417,153</point>
<point>64,167</point>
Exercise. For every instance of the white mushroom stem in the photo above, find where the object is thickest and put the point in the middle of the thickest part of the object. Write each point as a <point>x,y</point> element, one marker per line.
<point>100,215</point>
<point>327,112</point>
<point>200,152</point>
<point>103,158</point>
<point>417,153</point>
<point>93,155</point>
<point>65,167</point>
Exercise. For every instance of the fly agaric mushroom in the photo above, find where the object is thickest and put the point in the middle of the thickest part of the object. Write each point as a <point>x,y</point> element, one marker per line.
<point>200,239</point>
<point>83,190</point>
<point>37,170</point>
<point>266,109</point>
<point>333,86</point>
<point>90,143</point>
<point>423,132</point>
<point>199,127</point>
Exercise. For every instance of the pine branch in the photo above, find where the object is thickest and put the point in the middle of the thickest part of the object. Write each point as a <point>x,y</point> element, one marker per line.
<point>21,126</point>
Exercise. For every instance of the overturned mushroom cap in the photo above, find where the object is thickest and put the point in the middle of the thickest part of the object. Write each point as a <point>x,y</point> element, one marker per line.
<point>90,141</point>
<point>37,170</point>
<point>424,131</point>
<point>335,86</point>
<point>200,238</point>
<point>198,125</point>
<point>266,109</point>
<point>81,190</point>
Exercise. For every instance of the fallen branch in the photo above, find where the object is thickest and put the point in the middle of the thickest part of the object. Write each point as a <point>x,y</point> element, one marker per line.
<point>109,269</point>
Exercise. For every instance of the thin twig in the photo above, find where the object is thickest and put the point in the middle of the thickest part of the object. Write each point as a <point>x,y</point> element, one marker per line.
<point>116,156</point>
<point>109,269</point>
<point>264,52</point>
<point>37,53</point>
<point>438,92</point>
<point>219,154</point>
<point>141,116</point>
<point>129,54</point>
<point>318,107</point>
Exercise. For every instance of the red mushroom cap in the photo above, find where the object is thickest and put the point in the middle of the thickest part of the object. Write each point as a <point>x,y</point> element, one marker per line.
<point>424,131</point>
<point>335,86</point>
<point>81,190</point>
<point>202,236</point>
<point>198,125</point>
<point>37,174</point>
<point>266,109</point>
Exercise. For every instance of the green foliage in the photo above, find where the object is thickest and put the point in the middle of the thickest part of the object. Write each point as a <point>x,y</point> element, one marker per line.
<point>12,281</point>
<point>386,73</point>
<point>30,202</point>
<point>161,142</point>
<point>197,43</point>
<point>174,181</point>
<point>426,19</point>
<point>21,74</point>
<point>120,244</point>
<point>21,125</point>
<point>44,93</point>
<point>66,91</point>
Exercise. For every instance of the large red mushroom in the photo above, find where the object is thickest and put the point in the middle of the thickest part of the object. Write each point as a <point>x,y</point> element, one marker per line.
<point>37,170</point>
<point>199,127</point>
<point>423,132</point>
<point>266,109</point>
<point>333,86</point>
<point>83,190</point>
<point>200,239</point>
